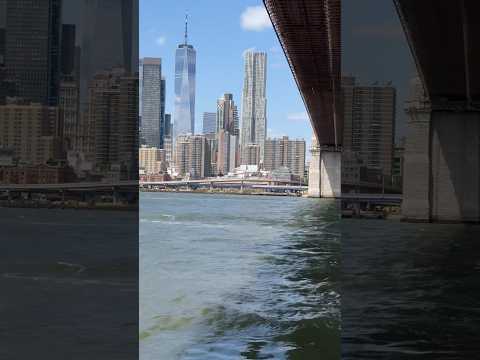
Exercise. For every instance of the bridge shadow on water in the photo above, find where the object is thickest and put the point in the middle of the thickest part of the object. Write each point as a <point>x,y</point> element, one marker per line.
<point>410,291</point>
<point>316,248</point>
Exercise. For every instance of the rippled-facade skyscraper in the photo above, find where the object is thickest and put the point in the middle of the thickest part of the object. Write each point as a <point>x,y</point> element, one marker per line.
<point>184,112</point>
<point>254,102</point>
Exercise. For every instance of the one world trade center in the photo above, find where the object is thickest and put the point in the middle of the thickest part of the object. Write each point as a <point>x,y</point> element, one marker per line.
<point>184,113</point>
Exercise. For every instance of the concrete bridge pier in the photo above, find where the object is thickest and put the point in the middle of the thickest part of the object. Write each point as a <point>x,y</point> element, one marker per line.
<point>325,172</point>
<point>442,166</point>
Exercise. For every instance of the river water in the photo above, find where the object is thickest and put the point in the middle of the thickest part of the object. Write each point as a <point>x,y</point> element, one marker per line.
<point>235,277</point>
<point>238,277</point>
<point>69,284</point>
<point>410,291</point>
<point>242,277</point>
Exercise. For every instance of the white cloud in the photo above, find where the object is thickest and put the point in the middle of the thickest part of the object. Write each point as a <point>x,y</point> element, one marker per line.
<point>161,40</point>
<point>298,116</point>
<point>255,18</point>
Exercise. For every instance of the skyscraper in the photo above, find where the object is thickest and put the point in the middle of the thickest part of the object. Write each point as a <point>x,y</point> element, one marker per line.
<point>152,117</point>
<point>226,152</point>
<point>251,154</point>
<point>109,40</point>
<point>2,45</point>
<point>67,66</point>
<point>226,134</point>
<point>168,125</point>
<point>167,139</point>
<point>69,89</point>
<point>163,93</point>
<point>369,116</point>
<point>254,102</point>
<point>227,115</point>
<point>192,156</point>
<point>140,89</point>
<point>68,103</point>
<point>209,122</point>
<point>184,112</point>
<point>34,61</point>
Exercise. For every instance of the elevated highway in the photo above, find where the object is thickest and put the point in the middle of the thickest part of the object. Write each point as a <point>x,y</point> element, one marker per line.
<point>228,183</point>
<point>85,191</point>
<point>80,186</point>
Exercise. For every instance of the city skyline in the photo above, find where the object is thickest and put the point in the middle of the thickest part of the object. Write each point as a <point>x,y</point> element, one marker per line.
<point>68,104</point>
<point>220,62</point>
<point>232,80</point>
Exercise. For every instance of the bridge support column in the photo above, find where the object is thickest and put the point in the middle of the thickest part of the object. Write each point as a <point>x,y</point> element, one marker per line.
<point>442,166</point>
<point>324,175</point>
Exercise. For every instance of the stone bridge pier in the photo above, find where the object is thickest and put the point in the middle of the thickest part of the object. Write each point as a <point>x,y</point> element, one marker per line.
<point>325,172</point>
<point>442,166</point>
<point>442,154</point>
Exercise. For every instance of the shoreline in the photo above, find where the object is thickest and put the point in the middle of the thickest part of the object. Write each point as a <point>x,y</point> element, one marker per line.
<point>68,206</point>
<point>208,192</point>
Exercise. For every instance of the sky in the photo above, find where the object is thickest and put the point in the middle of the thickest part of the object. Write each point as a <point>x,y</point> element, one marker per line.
<point>374,49</point>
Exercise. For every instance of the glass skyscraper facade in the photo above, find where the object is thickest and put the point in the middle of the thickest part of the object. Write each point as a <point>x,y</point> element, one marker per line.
<point>254,102</point>
<point>209,122</point>
<point>163,91</point>
<point>184,111</point>
<point>107,41</point>
<point>152,113</point>
<point>34,61</point>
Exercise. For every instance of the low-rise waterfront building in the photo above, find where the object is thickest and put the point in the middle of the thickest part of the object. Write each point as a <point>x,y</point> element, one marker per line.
<point>151,160</point>
<point>283,152</point>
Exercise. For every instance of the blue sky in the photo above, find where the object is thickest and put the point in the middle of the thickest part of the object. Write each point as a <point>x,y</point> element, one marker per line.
<point>220,37</point>
<point>374,49</point>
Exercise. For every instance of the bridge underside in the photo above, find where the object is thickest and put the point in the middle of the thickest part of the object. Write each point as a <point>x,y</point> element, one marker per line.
<point>442,156</point>
<point>310,35</point>
<point>443,37</point>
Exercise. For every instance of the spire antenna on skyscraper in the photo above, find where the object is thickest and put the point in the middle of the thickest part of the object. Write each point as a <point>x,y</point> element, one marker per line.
<point>186,28</point>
